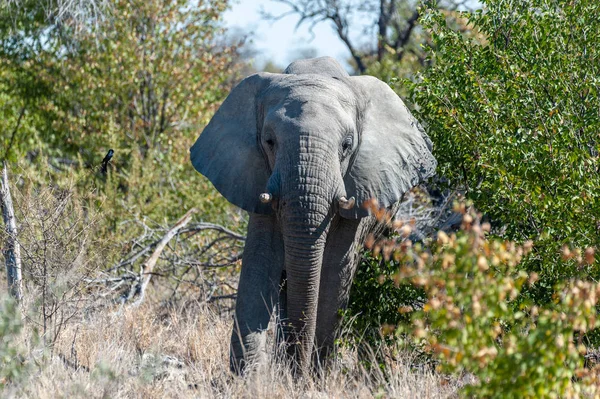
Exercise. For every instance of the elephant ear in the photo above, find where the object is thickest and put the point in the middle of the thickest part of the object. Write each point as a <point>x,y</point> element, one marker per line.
<point>325,66</point>
<point>394,154</point>
<point>227,152</point>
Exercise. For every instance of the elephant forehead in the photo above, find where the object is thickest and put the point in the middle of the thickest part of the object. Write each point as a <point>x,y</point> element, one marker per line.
<point>309,88</point>
<point>314,115</point>
<point>309,105</point>
<point>323,89</point>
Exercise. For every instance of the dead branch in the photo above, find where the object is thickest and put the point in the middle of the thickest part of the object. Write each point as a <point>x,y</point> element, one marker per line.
<point>198,260</point>
<point>147,268</point>
<point>72,365</point>
<point>210,226</point>
<point>193,229</point>
<point>12,249</point>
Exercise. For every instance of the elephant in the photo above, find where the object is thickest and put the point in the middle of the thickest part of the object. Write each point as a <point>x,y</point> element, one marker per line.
<point>300,151</point>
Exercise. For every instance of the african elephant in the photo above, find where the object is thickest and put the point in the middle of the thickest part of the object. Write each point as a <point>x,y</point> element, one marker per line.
<point>301,151</point>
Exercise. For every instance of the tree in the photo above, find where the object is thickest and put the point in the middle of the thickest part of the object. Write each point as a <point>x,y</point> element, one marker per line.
<point>393,24</point>
<point>143,83</point>
<point>11,246</point>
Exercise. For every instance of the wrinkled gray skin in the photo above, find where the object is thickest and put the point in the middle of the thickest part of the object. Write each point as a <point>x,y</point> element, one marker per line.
<point>308,137</point>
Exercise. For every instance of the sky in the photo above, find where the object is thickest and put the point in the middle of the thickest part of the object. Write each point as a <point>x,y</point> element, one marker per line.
<point>278,41</point>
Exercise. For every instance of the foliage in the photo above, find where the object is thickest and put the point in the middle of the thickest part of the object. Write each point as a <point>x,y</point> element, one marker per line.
<point>470,315</point>
<point>77,13</point>
<point>380,307</point>
<point>511,103</point>
<point>143,83</point>
<point>379,299</point>
<point>157,69</point>
<point>470,322</point>
<point>514,118</point>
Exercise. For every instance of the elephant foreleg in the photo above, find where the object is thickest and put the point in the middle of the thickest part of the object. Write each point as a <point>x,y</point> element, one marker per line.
<point>342,253</point>
<point>258,290</point>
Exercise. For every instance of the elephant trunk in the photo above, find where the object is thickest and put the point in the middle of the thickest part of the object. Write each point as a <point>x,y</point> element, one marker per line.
<point>306,212</point>
<point>303,261</point>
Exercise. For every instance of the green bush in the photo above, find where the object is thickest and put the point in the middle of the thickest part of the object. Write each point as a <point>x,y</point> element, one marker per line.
<point>511,103</point>
<point>379,299</point>
<point>513,112</point>
<point>459,299</point>
<point>144,82</point>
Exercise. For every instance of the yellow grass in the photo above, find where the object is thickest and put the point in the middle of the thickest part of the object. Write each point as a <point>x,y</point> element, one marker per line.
<point>135,353</point>
<point>106,351</point>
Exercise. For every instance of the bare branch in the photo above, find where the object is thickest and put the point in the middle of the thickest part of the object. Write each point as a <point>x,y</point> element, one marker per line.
<point>394,22</point>
<point>147,268</point>
<point>404,37</point>
<point>211,226</point>
<point>317,11</point>
<point>14,133</point>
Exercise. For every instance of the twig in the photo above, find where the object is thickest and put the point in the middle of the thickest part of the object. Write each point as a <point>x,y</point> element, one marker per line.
<point>212,299</point>
<point>210,226</point>
<point>14,133</point>
<point>191,229</point>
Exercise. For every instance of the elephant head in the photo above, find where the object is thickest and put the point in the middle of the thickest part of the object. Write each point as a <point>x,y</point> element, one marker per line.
<point>306,145</point>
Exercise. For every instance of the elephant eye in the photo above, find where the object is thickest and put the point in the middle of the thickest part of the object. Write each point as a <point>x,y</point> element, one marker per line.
<point>347,144</point>
<point>270,142</point>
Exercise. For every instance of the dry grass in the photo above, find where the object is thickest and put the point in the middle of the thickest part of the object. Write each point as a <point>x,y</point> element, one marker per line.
<point>76,342</point>
<point>140,352</point>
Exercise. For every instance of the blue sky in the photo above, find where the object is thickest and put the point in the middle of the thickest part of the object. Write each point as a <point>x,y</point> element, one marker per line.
<point>277,40</point>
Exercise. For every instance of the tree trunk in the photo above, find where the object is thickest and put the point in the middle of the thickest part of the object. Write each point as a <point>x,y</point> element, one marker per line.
<point>12,249</point>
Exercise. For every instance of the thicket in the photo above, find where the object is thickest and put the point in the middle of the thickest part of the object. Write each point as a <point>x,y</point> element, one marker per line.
<point>510,99</point>
<point>470,315</point>
<point>511,103</point>
<point>514,115</point>
<point>142,80</point>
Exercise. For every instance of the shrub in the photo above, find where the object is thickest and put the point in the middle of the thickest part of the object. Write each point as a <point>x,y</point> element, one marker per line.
<point>474,322</point>
<point>378,299</point>
<point>144,82</point>
<point>513,112</point>
<point>474,317</point>
<point>511,103</point>
<point>61,252</point>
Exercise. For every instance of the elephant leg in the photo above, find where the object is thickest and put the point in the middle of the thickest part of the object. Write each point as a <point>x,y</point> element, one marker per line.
<point>342,254</point>
<point>258,290</point>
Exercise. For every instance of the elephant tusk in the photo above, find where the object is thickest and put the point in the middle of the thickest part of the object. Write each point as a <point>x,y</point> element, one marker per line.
<point>265,198</point>
<point>347,203</point>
